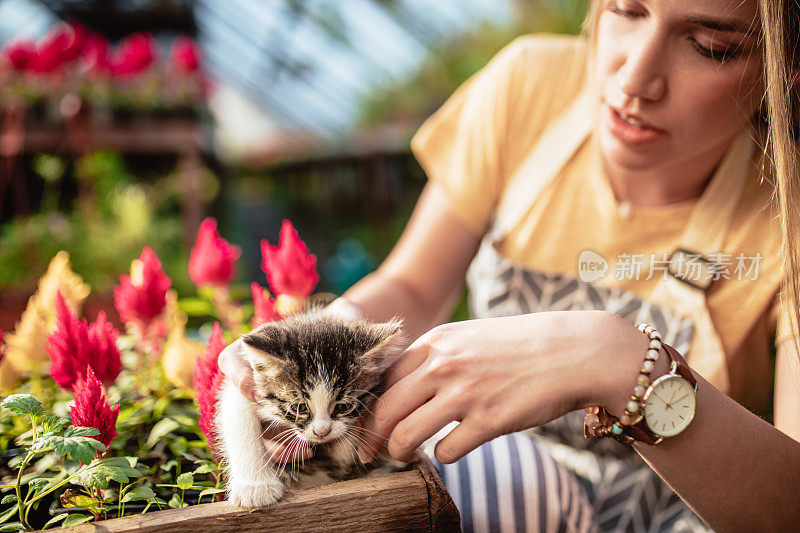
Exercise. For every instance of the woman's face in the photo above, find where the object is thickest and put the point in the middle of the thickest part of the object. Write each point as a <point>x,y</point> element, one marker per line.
<point>677,79</point>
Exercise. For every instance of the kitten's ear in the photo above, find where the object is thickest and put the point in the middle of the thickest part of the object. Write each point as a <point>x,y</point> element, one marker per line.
<point>390,343</point>
<point>257,350</point>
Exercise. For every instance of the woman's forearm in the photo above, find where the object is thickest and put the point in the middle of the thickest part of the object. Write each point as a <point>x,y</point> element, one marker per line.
<point>736,471</point>
<point>379,297</point>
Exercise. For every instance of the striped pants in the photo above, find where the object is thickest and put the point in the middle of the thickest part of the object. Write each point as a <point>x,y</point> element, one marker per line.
<point>514,484</point>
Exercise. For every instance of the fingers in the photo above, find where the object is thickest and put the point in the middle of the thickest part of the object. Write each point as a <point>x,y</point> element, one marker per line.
<point>394,405</point>
<point>419,426</point>
<point>464,438</point>
<point>406,363</point>
<point>236,369</point>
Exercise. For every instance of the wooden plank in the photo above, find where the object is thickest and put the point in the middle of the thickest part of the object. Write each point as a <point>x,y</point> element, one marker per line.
<point>395,502</point>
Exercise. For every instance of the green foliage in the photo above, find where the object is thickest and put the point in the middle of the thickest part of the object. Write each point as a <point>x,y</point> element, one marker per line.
<point>23,404</point>
<point>75,441</point>
<point>99,473</point>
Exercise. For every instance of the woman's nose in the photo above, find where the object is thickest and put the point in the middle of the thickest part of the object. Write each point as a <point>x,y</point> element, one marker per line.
<point>641,75</point>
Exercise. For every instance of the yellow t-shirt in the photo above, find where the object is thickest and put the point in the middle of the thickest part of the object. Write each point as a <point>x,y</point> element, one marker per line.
<point>473,144</point>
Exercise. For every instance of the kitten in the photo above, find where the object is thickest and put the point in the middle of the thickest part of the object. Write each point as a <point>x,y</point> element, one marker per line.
<point>315,375</point>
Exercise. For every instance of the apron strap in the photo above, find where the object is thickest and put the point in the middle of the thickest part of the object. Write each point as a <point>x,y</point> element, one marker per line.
<point>559,142</point>
<point>705,233</point>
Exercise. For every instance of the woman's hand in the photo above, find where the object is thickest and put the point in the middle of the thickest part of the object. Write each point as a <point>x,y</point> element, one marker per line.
<point>500,375</point>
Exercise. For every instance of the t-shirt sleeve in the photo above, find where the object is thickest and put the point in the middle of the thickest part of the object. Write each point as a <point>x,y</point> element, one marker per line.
<point>464,146</point>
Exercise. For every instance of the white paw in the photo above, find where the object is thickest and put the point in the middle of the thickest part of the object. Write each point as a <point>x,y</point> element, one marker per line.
<point>251,494</point>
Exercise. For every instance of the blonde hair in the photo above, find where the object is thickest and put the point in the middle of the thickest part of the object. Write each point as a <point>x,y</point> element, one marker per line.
<point>779,119</point>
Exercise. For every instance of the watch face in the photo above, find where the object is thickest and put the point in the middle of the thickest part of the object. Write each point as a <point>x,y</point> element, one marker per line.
<point>669,407</point>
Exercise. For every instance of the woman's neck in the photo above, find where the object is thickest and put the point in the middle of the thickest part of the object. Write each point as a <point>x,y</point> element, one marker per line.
<point>663,185</point>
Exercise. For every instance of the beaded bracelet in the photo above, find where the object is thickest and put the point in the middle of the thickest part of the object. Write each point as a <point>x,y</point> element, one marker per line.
<point>634,410</point>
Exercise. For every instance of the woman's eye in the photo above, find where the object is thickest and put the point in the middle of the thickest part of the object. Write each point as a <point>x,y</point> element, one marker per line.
<point>627,13</point>
<point>720,56</point>
<point>343,408</point>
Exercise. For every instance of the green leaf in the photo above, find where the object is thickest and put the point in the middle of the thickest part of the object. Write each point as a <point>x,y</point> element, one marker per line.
<point>185,481</point>
<point>74,519</point>
<point>54,424</point>
<point>38,483</point>
<point>206,468</point>
<point>101,471</point>
<point>160,429</point>
<point>196,307</point>
<point>142,492</point>
<point>75,499</point>
<point>57,518</point>
<point>77,442</point>
<point>9,513</point>
<point>8,498</point>
<point>13,526</point>
<point>23,404</point>
<point>176,502</point>
<point>169,465</point>
<point>211,491</point>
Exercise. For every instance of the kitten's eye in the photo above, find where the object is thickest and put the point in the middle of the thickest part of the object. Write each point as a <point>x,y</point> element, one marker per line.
<point>343,408</point>
<point>299,409</point>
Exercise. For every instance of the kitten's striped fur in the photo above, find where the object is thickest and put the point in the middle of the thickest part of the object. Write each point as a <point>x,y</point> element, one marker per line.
<point>315,375</point>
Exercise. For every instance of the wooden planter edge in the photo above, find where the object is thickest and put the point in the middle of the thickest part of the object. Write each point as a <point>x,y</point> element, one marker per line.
<point>412,500</point>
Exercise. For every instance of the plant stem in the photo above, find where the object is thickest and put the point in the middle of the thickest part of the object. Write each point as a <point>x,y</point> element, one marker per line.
<point>18,489</point>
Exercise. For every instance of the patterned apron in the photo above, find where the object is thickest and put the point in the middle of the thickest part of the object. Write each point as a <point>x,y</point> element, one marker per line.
<point>625,492</point>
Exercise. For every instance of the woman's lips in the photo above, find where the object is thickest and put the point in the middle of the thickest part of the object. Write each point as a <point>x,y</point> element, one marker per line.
<point>628,133</point>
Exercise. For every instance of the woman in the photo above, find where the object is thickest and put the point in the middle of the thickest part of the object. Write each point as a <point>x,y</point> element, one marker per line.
<point>622,172</point>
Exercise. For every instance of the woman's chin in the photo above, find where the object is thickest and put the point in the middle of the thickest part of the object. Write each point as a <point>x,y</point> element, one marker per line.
<point>622,155</point>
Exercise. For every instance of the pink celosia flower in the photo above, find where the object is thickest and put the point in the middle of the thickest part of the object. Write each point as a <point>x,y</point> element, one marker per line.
<point>76,343</point>
<point>207,382</point>
<point>2,347</point>
<point>19,53</point>
<point>264,306</point>
<point>92,410</point>
<point>141,296</point>
<point>94,57</point>
<point>213,259</point>
<point>185,56</point>
<point>134,56</point>
<point>290,269</point>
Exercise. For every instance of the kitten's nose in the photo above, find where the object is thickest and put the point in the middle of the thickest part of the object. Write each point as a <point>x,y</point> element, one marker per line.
<point>321,430</point>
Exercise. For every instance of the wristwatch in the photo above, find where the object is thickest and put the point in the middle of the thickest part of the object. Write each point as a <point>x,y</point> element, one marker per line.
<point>668,407</point>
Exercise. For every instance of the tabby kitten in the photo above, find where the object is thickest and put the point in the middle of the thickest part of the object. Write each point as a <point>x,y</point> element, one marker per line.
<point>314,376</point>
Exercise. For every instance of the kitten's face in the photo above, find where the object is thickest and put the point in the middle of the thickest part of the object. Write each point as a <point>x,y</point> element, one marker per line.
<point>315,375</point>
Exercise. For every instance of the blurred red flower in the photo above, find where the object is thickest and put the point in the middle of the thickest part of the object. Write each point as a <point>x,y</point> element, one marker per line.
<point>134,55</point>
<point>2,347</point>
<point>91,409</point>
<point>19,53</point>
<point>94,57</point>
<point>290,269</point>
<point>213,259</point>
<point>185,55</point>
<point>61,45</point>
<point>207,380</point>
<point>141,296</point>
<point>264,306</point>
<point>76,343</point>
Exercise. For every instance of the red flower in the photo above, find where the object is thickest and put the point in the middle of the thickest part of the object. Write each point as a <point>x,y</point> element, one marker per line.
<point>92,410</point>
<point>264,306</point>
<point>142,296</point>
<point>19,53</point>
<point>185,56</point>
<point>207,382</point>
<point>290,269</point>
<point>2,347</point>
<point>134,56</point>
<point>213,259</point>
<point>76,343</point>
<point>94,57</point>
